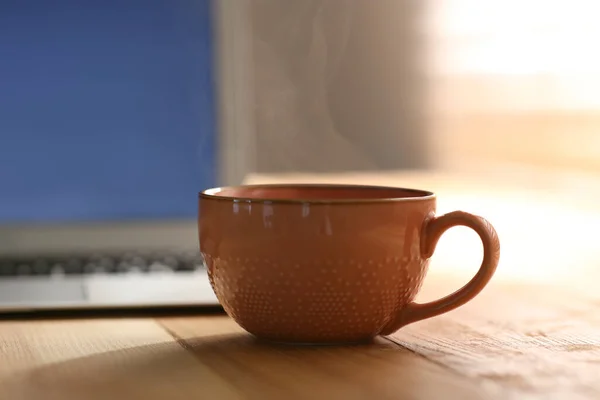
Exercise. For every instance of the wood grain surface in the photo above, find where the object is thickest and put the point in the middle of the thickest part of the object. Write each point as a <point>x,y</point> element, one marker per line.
<point>514,341</point>
<point>539,341</point>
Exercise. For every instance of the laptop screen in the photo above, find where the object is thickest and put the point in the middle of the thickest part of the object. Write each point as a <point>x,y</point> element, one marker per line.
<point>106,110</point>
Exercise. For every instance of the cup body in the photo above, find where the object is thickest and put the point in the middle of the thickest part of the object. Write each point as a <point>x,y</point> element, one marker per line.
<point>314,263</point>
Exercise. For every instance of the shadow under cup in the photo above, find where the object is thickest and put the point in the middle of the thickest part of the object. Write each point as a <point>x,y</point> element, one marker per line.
<point>328,263</point>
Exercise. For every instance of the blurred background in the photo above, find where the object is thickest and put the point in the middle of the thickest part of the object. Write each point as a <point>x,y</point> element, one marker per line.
<point>430,84</point>
<point>497,101</point>
<point>114,114</point>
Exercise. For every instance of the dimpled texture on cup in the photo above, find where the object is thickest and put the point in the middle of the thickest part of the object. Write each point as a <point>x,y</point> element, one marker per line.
<point>310,272</point>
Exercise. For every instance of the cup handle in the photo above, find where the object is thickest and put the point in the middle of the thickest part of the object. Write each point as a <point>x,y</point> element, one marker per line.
<point>432,232</point>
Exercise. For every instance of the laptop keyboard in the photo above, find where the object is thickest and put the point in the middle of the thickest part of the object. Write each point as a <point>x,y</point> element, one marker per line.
<point>101,264</point>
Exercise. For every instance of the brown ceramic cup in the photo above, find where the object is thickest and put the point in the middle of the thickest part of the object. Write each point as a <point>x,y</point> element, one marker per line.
<point>329,263</point>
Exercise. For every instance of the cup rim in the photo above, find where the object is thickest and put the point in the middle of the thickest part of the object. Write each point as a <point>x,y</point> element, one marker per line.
<point>417,194</point>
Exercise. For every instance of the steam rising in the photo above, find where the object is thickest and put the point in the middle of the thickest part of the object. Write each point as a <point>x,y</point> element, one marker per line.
<point>303,47</point>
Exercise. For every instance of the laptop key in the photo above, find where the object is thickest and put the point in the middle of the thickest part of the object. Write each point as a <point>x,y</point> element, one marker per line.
<point>7,268</point>
<point>40,267</point>
<point>23,269</point>
<point>186,265</point>
<point>123,267</point>
<point>139,262</point>
<point>94,264</point>
<point>170,261</point>
<point>72,266</point>
<point>108,264</point>
<point>158,267</point>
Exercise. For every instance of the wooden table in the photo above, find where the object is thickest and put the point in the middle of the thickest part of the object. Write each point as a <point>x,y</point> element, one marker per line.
<point>522,338</point>
<point>513,340</point>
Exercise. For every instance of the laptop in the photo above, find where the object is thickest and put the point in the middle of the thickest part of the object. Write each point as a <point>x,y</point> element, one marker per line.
<point>103,151</point>
<point>75,267</point>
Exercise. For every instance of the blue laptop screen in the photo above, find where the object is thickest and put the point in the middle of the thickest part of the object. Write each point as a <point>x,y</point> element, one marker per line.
<point>106,109</point>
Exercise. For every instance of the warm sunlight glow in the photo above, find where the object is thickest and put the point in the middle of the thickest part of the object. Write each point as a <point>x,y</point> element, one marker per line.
<point>548,232</point>
<point>552,42</point>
